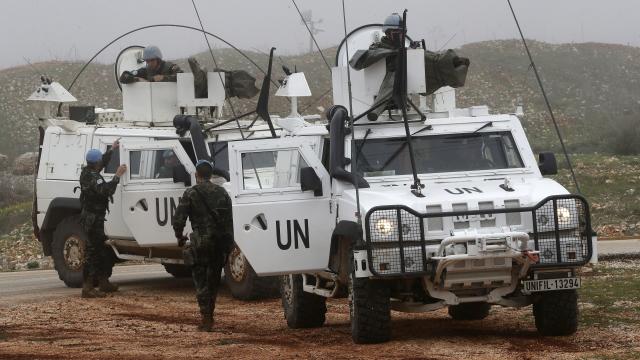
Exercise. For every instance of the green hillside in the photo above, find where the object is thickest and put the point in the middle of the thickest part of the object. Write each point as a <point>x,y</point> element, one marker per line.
<point>593,87</point>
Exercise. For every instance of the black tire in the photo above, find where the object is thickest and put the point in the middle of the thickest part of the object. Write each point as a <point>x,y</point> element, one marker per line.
<point>244,283</point>
<point>369,309</point>
<point>68,250</point>
<point>178,270</point>
<point>469,311</point>
<point>301,309</point>
<point>556,313</point>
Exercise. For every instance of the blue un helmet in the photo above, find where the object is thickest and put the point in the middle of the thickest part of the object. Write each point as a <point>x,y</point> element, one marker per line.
<point>151,52</point>
<point>204,163</point>
<point>392,22</point>
<point>93,156</point>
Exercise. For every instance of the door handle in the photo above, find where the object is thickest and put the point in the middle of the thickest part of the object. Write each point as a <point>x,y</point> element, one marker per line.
<point>143,204</point>
<point>258,221</point>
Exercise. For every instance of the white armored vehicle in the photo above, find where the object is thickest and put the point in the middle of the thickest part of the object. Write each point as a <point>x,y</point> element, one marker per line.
<point>160,150</point>
<point>416,211</point>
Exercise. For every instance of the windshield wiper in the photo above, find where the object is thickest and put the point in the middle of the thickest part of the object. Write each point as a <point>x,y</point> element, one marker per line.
<point>488,124</point>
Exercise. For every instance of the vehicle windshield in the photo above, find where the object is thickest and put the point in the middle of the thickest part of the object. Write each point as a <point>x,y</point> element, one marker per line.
<point>438,154</point>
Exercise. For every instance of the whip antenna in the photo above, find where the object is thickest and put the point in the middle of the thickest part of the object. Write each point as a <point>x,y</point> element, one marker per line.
<point>215,63</point>
<point>546,99</point>
<point>354,162</point>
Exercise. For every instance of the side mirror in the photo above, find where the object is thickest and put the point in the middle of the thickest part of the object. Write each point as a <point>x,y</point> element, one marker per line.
<point>180,174</point>
<point>547,163</point>
<point>309,180</point>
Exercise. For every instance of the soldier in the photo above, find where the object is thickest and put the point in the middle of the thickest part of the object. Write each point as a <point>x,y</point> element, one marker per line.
<point>95,194</point>
<point>386,49</point>
<point>170,161</point>
<point>209,208</point>
<point>156,70</point>
<point>441,68</point>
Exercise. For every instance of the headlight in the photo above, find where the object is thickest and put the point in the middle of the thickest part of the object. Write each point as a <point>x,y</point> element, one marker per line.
<point>384,226</point>
<point>564,215</point>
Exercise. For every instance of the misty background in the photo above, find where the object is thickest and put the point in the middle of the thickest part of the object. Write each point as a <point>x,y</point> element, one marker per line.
<point>42,30</point>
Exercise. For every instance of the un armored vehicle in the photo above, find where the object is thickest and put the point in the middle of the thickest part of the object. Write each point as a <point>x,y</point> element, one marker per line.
<point>163,129</point>
<point>339,213</point>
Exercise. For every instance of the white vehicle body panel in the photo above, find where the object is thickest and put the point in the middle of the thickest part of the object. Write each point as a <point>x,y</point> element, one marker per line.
<point>280,228</point>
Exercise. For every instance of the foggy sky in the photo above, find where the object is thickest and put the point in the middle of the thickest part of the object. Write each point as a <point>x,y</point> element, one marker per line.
<point>41,30</point>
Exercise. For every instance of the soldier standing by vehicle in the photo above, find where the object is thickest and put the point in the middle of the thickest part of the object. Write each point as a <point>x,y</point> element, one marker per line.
<point>95,194</point>
<point>156,70</point>
<point>209,208</point>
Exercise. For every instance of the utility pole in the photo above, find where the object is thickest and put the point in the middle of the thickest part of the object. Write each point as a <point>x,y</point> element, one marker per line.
<point>307,17</point>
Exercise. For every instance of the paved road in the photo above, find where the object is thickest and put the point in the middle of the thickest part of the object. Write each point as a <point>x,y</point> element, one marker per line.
<point>34,286</point>
<point>614,247</point>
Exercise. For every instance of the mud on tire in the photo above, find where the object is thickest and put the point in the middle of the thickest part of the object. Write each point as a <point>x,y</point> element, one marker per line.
<point>301,309</point>
<point>369,309</point>
<point>244,283</point>
<point>469,311</point>
<point>556,313</point>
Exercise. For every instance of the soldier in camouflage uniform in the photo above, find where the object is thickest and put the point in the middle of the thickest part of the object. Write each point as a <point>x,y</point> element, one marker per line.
<point>95,194</point>
<point>209,208</point>
<point>156,70</point>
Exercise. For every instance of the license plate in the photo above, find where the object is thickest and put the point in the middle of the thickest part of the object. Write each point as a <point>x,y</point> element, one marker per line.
<point>530,286</point>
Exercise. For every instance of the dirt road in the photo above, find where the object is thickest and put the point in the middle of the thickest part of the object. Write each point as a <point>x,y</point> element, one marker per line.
<point>155,319</point>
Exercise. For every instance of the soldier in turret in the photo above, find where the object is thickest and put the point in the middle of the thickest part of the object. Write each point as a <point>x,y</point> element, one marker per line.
<point>95,194</point>
<point>157,70</point>
<point>209,208</point>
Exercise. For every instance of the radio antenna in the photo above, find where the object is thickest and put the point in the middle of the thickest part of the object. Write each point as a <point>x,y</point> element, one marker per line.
<point>546,99</point>
<point>215,63</point>
<point>354,162</point>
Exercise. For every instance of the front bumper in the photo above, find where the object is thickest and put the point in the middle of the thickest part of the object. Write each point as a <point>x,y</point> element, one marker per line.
<point>558,228</point>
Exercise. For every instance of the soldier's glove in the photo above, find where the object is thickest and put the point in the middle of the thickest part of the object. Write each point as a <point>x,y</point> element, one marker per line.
<point>181,238</point>
<point>127,77</point>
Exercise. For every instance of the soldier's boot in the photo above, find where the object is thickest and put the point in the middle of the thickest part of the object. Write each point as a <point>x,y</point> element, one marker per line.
<point>206,322</point>
<point>105,286</point>
<point>88,291</point>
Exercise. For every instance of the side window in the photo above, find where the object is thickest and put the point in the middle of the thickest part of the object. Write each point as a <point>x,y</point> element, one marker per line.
<point>152,164</point>
<point>113,164</point>
<point>272,169</point>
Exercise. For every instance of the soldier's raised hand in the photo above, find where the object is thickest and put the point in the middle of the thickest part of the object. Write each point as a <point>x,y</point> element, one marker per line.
<point>121,170</point>
<point>116,145</point>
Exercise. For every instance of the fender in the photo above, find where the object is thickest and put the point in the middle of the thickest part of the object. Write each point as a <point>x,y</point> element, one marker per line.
<point>342,242</point>
<point>58,209</point>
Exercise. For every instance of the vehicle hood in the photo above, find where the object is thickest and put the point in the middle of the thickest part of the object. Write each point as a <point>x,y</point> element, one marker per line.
<point>527,191</point>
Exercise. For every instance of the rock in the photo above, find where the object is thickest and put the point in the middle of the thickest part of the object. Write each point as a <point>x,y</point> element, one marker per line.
<point>4,162</point>
<point>25,164</point>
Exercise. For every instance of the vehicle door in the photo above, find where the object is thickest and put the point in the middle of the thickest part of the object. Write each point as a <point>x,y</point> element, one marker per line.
<point>150,195</point>
<point>280,227</point>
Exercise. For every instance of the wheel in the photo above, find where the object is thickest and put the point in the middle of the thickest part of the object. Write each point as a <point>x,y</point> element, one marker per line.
<point>556,313</point>
<point>178,270</point>
<point>369,309</point>
<point>301,309</point>
<point>243,281</point>
<point>469,311</point>
<point>68,251</point>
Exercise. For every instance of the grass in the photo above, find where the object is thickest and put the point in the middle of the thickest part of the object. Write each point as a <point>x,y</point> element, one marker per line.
<point>611,297</point>
<point>610,184</point>
<point>14,215</point>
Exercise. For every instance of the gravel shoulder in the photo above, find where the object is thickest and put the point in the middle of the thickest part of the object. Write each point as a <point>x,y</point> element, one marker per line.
<point>156,320</point>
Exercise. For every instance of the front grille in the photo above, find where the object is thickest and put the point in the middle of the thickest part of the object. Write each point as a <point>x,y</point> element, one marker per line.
<point>560,227</point>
